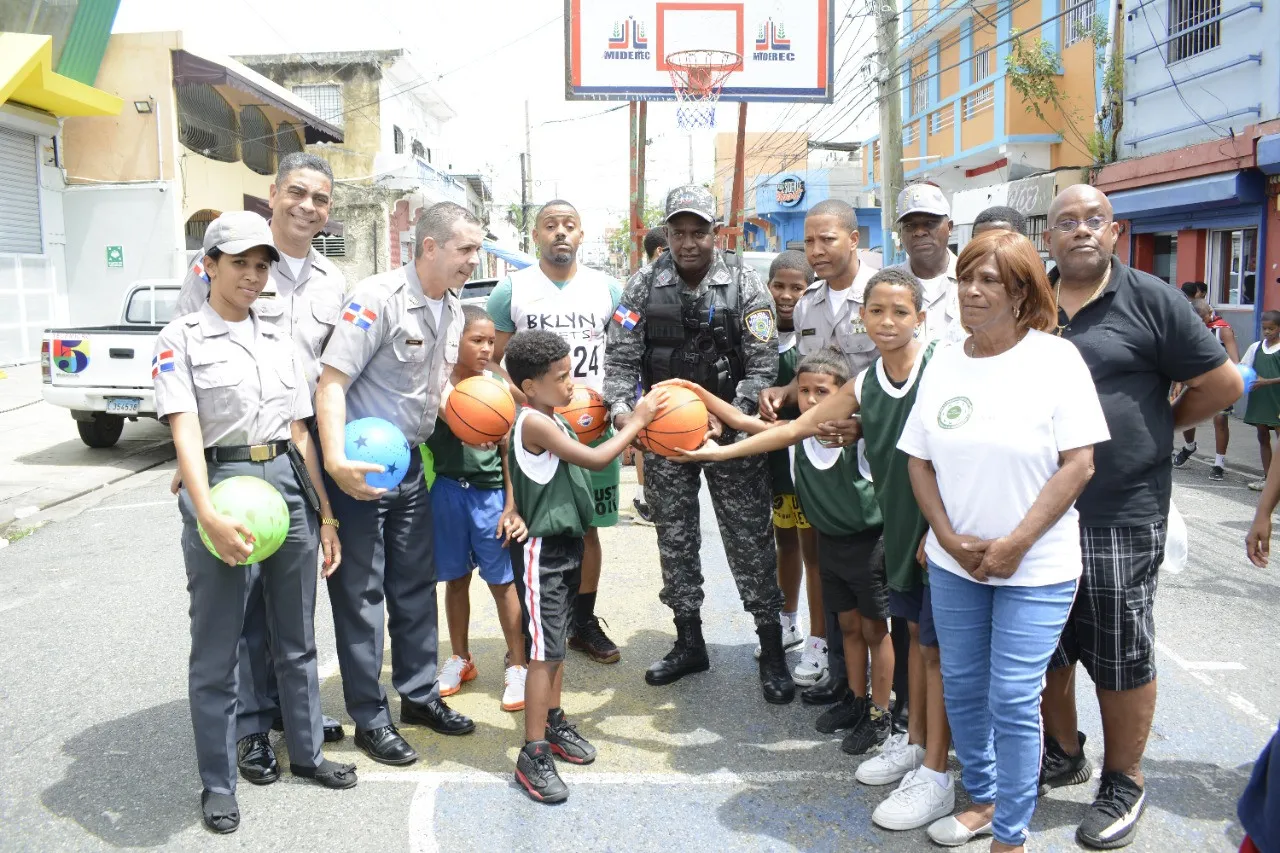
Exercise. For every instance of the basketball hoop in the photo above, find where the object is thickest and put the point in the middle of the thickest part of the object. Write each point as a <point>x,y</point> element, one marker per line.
<point>697,76</point>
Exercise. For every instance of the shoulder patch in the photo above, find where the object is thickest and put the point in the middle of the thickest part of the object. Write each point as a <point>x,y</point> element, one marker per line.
<point>760,324</point>
<point>359,316</point>
<point>625,317</point>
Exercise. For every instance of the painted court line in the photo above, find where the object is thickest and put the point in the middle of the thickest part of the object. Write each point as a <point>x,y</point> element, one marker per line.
<point>1194,665</point>
<point>721,777</point>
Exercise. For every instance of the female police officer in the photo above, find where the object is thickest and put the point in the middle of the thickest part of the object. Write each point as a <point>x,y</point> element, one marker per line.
<point>232,391</point>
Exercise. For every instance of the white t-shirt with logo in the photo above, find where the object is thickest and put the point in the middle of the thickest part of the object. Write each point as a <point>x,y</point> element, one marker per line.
<point>577,311</point>
<point>993,429</point>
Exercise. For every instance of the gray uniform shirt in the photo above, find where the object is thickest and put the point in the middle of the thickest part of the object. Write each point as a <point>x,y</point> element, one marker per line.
<point>305,308</point>
<point>242,394</point>
<point>625,344</point>
<point>818,325</point>
<point>941,304</point>
<point>387,342</point>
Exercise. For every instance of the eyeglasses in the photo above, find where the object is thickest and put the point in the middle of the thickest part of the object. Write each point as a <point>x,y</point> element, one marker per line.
<point>1093,223</point>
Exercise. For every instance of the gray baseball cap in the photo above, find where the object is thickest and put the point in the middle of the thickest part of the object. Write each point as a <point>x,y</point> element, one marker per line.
<point>238,231</point>
<point>923,198</point>
<point>691,199</point>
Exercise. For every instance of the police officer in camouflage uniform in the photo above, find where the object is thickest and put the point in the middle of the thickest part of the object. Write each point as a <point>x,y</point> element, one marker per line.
<point>697,315</point>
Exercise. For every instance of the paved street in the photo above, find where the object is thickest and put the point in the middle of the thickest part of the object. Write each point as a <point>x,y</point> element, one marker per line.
<point>96,748</point>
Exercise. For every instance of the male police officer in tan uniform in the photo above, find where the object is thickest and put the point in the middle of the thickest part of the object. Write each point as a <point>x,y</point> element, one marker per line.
<point>390,357</point>
<point>301,299</point>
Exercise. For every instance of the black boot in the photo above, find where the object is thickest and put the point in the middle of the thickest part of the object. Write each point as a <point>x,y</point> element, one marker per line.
<point>688,655</point>
<point>775,679</point>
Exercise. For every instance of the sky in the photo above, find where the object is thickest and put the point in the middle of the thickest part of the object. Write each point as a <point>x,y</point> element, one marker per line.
<point>490,57</point>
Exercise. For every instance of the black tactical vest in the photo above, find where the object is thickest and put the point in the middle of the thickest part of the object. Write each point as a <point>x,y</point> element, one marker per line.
<point>698,340</point>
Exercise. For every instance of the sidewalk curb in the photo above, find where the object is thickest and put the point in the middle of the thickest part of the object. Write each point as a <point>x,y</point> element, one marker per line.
<point>44,512</point>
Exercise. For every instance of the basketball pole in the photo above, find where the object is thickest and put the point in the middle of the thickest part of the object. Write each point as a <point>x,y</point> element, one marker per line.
<point>735,228</point>
<point>639,113</point>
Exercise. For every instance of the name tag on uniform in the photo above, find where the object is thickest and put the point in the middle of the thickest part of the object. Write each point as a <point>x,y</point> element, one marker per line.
<point>806,333</point>
<point>414,342</point>
<point>858,327</point>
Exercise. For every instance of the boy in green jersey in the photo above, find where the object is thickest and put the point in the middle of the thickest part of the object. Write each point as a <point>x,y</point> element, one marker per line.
<point>552,487</point>
<point>475,518</point>
<point>789,277</point>
<point>840,503</point>
<point>883,394</point>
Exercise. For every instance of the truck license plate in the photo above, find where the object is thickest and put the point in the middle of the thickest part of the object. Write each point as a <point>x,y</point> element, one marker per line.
<point>122,405</point>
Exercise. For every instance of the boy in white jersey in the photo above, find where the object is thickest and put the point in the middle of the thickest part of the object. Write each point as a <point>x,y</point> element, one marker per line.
<point>576,302</point>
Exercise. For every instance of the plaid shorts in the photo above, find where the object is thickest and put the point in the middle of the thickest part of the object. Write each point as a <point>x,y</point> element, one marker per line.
<point>1112,627</point>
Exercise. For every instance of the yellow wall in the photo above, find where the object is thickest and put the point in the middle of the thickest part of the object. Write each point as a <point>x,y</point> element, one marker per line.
<point>977,130</point>
<point>1077,87</point>
<point>949,80</point>
<point>214,185</point>
<point>943,143</point>
<point>123,148</point>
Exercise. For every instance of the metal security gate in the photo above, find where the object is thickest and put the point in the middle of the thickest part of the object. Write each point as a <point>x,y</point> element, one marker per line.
<point>27,278</point>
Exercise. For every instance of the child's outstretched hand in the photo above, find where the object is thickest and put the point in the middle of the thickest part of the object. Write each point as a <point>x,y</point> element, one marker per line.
<point>650,405</point>
<point>511,527</point>
<point>708,452</point>
<point>702,393</point>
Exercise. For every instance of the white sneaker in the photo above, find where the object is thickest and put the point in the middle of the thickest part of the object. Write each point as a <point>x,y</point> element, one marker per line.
<point>918,802</point>
<point>513,690</point>
<point>813,662</point>
<point>792,639</point>
<point>454,672</point>
<point>897,758</point>
<point>1257,485</point>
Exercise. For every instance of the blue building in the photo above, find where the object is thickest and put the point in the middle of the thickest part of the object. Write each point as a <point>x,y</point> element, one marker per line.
<point>782,200</point>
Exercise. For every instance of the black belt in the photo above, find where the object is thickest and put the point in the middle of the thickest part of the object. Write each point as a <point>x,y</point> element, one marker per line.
<point>247,452</point>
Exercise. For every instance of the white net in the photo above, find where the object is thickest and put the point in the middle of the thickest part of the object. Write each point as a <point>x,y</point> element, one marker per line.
<point>697,77</point>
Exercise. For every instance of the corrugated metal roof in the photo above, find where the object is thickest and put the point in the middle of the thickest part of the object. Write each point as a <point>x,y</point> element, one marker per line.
<point>87,41</point>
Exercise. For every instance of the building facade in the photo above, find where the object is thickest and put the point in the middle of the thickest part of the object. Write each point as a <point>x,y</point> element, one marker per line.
<point>964,125</point>
<point>782,200</point>
<point>1196,188</point>
<point>390,164</point>
<point>34,275</point>
<point>200,134</point>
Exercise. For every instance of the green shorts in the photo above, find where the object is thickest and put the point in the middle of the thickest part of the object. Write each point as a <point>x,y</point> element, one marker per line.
<point>605,487</point>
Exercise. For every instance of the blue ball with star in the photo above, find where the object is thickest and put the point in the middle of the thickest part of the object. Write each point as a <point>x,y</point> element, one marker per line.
<point>382,443</point>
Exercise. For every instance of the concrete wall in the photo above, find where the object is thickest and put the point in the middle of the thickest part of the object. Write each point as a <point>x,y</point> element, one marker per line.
<point>362,131</point>
<point>135,67</point>
<point>364,216</point>
<point>145,219</point>
<point>1210,94</point>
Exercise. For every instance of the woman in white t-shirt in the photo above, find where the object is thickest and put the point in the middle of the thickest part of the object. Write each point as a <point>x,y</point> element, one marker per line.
<point>1001,439</point>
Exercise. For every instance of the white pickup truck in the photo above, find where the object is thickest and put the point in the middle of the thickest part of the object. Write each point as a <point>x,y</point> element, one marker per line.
<point>103,373</point>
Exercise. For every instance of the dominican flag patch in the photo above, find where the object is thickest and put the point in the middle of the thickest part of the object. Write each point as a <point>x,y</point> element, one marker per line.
<point>162,363</point>
<point>198,269</point>
<point>361,318</point>
<point>625,317</point>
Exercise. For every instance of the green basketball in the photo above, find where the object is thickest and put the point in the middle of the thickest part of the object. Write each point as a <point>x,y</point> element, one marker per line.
<point>257,505</point>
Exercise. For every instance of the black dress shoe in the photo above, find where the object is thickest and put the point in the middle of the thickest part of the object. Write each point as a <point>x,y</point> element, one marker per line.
<point>385,746</point>
<point>437,716</point>
<point>826,691</point>
<point>257,760</point>
<point>221,813</point>
<point>331,774</point>
<point>332,729</point>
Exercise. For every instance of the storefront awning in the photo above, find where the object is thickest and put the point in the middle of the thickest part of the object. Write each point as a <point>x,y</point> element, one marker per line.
<point>1212,191</point>
<point>214,70</point>
<point>1269,154</point>
<point>27,77</point>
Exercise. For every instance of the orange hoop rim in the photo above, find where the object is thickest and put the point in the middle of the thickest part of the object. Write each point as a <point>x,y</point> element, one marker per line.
<point>702,71</point>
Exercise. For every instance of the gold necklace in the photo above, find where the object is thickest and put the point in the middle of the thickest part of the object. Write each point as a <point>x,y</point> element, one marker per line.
<point>1057,293</point>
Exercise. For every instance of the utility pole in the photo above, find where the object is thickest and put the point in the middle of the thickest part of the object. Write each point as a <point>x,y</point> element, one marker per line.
<point>524,204</point>
<point>526,180</point>
<point>890,98</point>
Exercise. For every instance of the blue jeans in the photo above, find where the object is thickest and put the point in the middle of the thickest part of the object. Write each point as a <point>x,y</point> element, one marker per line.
<point>996,642</point>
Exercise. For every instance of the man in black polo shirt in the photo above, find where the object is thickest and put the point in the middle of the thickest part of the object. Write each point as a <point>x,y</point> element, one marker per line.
<point>1138,335</point>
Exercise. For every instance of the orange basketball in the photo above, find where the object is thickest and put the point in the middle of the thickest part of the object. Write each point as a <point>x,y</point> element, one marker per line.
<point>680,426</point>
<point>480,410</point>
<point>586,414</point>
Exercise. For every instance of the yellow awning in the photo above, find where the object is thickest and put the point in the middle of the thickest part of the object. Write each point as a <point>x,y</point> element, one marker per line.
<point>27,77</point>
